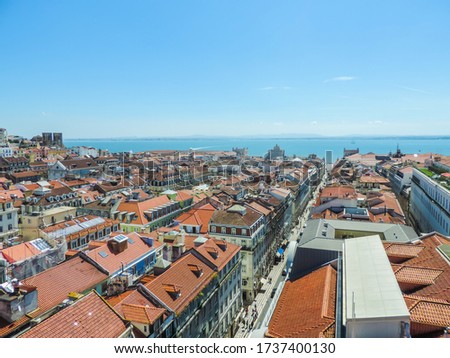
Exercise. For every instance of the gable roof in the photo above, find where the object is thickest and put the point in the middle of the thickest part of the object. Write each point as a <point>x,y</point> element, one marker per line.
<point>89,317</point>
<point>218,252</point>
<point>306,307</point>
<point>55,284</point>
<point>179,285</point>
<point>141,314</point>
<point>198,217</point>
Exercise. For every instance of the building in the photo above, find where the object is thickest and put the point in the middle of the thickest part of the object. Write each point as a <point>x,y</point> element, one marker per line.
<point>348,152</point>
<point>400,179</point>
<point>54,288</point>
<point>3,137</point>
<point>6,152</point>
<point>9,220</point>
<point>79,231</point>
<point>83,151</point>
<point>150,214</point>
<point>33,221</point>
<point>226,261</point>
<point>58,140</point>
<point>275,154</point>
<point>30,258</point>
<point>246,227</point>
<point>52,139</point>
<point>329,159</point>
<point>316,317</point>
<point>125,257</point>
<point>47,139</point>
<point>80,168</point>
<point>14,164</point>
<point>200,291</point>
<point>429,202</point>
<point>87,317</point>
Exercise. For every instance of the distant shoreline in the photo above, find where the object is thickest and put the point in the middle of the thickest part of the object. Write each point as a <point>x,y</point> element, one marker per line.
<point>444,137</point>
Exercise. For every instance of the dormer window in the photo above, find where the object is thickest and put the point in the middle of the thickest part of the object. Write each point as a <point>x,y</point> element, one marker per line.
<point>213,252</point>
<point>196,269</point>
<point>174,291</point>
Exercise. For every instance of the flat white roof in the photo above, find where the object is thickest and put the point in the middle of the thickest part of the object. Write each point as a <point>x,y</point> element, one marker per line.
<point>370,289</point>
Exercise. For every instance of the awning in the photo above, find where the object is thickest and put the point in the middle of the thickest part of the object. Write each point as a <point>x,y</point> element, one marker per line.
<point>280,251</point>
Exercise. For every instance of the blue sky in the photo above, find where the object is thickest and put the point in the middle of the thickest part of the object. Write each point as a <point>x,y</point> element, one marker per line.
<point>172,68</point>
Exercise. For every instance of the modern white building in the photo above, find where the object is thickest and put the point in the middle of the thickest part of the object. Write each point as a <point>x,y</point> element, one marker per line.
<point>373,304</point>
<point>429,204</point>
<point>83,151</point>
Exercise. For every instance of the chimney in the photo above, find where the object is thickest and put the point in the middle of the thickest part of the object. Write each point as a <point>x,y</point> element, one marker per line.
<point>118,244</point>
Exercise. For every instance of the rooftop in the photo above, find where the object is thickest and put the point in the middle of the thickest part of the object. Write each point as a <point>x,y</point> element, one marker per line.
<point>89,317</point>
<point>371,289</point>
<point>314,317</point>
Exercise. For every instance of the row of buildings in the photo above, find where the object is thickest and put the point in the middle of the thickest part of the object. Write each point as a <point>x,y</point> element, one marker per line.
<point>357,269</point>
<point>160,244</point>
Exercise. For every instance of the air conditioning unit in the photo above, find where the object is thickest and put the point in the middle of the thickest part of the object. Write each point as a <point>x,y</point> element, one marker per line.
<point>126,278</point>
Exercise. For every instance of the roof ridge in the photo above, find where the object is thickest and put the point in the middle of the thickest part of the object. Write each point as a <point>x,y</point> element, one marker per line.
<point>326,291</point>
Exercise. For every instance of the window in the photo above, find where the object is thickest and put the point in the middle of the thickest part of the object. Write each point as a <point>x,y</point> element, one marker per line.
<point>9,216</point>
<point>233,231</point>
<point>1,218</point>
<point>213,229</point>
<point>223,230</point>
<point>1,228</point>
<point>244,231</point>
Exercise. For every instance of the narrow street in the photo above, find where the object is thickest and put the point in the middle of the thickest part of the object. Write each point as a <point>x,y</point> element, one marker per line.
<point>256,314</point>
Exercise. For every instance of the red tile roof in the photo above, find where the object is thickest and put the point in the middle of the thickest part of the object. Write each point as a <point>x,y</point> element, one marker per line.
<point>179,285</point>
<point>55,284</point>
<point>424,278</point>
<point>218,252</point>
<point>113,262</point>
<point>427,316</point>
<point>141,314</point>
<point>19,252</point>
<point>89,317</point>
<point>306,307</point>
<point>139,207</point>
<point>198,217</point>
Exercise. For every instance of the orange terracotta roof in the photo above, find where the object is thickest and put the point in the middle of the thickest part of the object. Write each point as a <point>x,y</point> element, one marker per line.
<point>218,252</point>
<point>54,285</point>
<point>260,208</point>
<point>141,314</point>
<point>427,315</point>
<point>344,191</point>
<point>19,252</point>
<point>424,266</point>
<point>418,275</point>
<point>401,250</point>
<point>197,217</point>
<point>306,307</point>
<point>113,262</point>
<point>139,207</point>
<point>186,284</point>
<point>89,317</point>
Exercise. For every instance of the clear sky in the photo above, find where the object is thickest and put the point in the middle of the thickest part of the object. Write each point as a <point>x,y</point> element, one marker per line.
<point>109,68</point>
